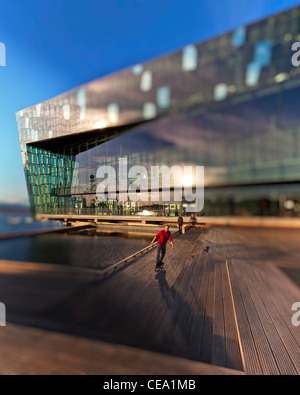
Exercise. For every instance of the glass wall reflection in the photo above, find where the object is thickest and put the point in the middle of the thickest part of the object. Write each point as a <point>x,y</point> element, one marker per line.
<point>229,104</point>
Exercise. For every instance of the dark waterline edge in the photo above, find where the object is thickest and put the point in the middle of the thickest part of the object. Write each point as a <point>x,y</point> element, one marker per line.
<point>82,270</point>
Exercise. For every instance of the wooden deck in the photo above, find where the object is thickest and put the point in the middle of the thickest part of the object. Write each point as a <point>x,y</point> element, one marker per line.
<point>30,351</point>
<point>221,309</point>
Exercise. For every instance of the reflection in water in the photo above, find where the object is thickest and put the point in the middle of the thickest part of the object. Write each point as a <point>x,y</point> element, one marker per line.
<point>22,222</point>
<point>72,249</point>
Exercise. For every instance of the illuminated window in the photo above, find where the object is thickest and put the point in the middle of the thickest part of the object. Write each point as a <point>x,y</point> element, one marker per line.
<point>100,124</point>
<point>38,110</point>
<point>113,112</point>
<point>81,101</point>
<point>281,77</point>
<point>146,81</point>
<point>189,58</point>
<point>239,37</point>
<point>163,97</point>
<point>34,135</point>
<point>221,92</point>
<point>253,73</point>
<point>137,69</point>
<point>66,111</point>
<point>263,52</point>
<point>149,110</point>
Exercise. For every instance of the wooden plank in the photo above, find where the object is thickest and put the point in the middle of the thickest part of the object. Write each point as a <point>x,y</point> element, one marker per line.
<point>281,291</point>
<point>219,356</point>
<point>179,310</point>
<point>207,334</point>
<point>147,284</point>
<point>233,351</point>
<point>189,300</point>
<point>264,351</point>
<point>282,284</point>
<point>198,324</point>
<point>282,358</point>
<point>192,297</point>
<point>279,322</point>
<point>55,353</point>
<point>162,296</point>
<point>232,345</point>
<point>251,361</point>
<point>171,294</point>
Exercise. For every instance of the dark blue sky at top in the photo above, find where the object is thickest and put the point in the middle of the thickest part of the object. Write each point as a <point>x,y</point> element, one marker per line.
<point>53,46</point>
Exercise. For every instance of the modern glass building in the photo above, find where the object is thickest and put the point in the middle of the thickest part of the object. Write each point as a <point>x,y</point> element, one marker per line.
<point>230,104</point>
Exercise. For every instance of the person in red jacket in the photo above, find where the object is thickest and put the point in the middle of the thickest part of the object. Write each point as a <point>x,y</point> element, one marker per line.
<point>162,238</point>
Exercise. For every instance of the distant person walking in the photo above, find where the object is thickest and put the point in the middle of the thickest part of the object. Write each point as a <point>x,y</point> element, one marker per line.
<point>162,239</point>
<point>180,224</point>
<point>193,221</point>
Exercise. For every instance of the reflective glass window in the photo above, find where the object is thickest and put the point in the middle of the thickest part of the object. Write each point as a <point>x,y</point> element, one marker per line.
<point>81,101</point>
<point>253,73</point>
<point>149,110</point>
<point>163,97</point>
<point>263,53</point>
<point>113,112</point>
<point>146,81</point>
<point>66,111</point>
<point>239,36</point>
<point>38,110</point>
<point>190,58</point>
<point>221,92</point>
<point>137,69</point>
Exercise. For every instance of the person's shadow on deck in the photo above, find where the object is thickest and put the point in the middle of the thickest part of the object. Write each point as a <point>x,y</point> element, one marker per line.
<point>185,339</point>
<point>168,294</point>
<point>191,334</point>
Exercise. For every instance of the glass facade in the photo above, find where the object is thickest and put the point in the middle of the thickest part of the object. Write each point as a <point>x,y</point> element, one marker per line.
<point>229,104</point>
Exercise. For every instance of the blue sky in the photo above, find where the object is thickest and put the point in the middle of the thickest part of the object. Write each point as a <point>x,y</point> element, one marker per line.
<point>53,46</point>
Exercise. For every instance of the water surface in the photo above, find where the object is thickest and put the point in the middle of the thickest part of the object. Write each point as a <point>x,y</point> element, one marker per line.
<point>21,222</point>
<point>73,249</point>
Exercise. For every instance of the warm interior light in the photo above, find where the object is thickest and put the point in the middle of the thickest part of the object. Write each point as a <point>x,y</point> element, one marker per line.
<point>187,181</point>
<point>100,124</point>
<point>281,77</point>
<point>146,212</point>
<point>289,205</point>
